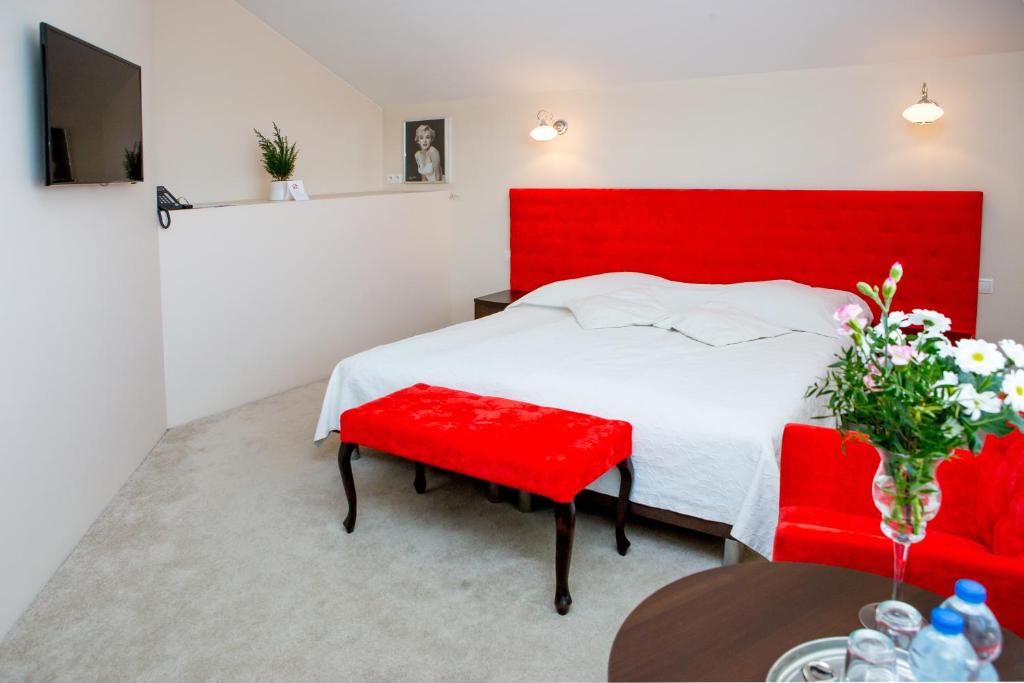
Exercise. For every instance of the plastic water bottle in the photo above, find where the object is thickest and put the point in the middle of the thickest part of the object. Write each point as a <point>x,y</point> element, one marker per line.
<point>987,672</point>
<point>940,652</point>
<point>980,625</point>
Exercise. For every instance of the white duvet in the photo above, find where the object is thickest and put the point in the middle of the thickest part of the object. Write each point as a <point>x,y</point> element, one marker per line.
<point>707,420</point>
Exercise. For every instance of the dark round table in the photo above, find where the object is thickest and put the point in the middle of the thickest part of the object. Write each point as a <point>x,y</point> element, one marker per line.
<point>732,623</point>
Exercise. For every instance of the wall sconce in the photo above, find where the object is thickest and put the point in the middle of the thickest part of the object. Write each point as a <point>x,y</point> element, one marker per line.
<point>547,129</point>
<point>925,111</point>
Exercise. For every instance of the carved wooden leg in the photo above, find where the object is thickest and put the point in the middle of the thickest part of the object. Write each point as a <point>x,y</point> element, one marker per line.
<point>625,487</point>
<point>345,465</point>
<point>565,524</point>
<point>493,492</point>
<point>420,483</point>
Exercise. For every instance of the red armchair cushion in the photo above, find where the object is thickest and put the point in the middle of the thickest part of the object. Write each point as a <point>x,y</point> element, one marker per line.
<point>547,451</point>
<point>826,516</point>
<point>999,493</point>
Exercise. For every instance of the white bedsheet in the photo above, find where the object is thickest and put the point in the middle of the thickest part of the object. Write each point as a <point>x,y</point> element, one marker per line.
<point>707,420</point>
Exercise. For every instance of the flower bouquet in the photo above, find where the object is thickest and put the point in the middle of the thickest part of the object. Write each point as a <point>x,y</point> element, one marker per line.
<point>917,397</point>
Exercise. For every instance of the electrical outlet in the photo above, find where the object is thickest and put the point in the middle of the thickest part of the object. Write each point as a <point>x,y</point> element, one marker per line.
<point>394,178</point>
<point>986,285</point>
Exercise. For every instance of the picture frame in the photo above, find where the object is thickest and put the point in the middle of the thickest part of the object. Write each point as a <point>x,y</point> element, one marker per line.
<point>427,147</point>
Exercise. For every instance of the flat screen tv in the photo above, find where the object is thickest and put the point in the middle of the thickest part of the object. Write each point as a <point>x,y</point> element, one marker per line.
<point>93,112</point>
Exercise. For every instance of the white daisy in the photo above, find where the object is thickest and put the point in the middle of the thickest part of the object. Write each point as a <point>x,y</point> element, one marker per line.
<point>898,319</point>
<point>1013,387</point>
<point>975,402</point>
<point>896,335</point>
<point>949,379</point>
<point>1013,351</point>
<point>978,356</point>
<point>933,322</point>
<point>952,429</point>
<point>944,348</point>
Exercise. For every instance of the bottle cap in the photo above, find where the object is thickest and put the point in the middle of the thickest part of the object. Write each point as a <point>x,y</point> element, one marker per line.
<point>947,621</point>
<point>970,590</point>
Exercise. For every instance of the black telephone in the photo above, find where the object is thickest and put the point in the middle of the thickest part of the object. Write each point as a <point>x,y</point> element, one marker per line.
<point>165,203</point>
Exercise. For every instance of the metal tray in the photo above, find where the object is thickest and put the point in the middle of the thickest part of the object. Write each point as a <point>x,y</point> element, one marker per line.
<point>797,664</point>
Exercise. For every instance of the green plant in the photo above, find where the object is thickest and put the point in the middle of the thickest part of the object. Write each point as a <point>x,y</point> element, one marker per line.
<point>919,396</point>
<point>133,161</point>
<point>278,155</point>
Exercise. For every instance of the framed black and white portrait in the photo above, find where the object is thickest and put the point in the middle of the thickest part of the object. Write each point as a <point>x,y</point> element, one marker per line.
<point>426,151</point>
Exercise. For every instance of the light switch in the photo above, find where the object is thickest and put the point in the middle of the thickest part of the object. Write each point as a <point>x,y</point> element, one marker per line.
<point>986,285</point>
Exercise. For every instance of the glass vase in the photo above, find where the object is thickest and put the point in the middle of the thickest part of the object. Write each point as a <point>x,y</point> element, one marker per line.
<point>908,496</point>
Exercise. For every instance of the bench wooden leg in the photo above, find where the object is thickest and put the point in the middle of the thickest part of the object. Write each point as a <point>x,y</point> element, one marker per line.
<point>420,484</point>
<point>565,524</point>
<point>625,487</point>
<point>493,492</point>
<point>345,465</point>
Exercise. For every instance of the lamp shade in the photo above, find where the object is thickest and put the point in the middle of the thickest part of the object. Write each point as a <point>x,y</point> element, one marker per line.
<point>923,111</point>
<point>543,133</point>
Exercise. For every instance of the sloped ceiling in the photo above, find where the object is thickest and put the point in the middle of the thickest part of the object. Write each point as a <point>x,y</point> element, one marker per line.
<point>401,52</point>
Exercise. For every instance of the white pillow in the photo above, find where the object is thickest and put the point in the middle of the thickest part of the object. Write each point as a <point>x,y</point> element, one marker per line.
<point>637,306</point>
<point>559,294</point>
<point>719,324</point>
<point>790,304</point>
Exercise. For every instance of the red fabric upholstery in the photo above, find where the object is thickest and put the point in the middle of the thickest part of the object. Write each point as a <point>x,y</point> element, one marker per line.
<point>826,516</point>
<point>547,451</point>
<point>823,238</point>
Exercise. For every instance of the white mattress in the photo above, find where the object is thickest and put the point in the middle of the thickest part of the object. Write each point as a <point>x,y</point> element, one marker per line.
<point>707,421</point>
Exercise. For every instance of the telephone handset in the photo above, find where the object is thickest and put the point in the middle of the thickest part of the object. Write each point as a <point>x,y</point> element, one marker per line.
<point>165,203</point>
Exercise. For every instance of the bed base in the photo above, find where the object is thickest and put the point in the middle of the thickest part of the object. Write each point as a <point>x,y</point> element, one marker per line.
<point>605,504</point>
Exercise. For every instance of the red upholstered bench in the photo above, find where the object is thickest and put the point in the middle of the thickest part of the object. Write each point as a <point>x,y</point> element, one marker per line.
<point>546,451</point>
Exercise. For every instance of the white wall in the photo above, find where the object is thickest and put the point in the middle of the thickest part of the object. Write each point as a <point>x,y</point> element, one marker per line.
<point>261,298</point>
<point>82,393</point>
<point>825,128</point>
<point>220,72</point>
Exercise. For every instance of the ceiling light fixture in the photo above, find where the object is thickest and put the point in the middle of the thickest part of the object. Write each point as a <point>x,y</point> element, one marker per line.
<point>547,128</point>
<point>924,111</point>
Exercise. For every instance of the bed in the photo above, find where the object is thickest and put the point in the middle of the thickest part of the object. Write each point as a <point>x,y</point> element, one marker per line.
<point>707,420</point>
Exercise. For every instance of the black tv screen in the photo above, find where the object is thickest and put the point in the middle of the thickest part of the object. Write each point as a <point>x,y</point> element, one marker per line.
<point>93,112</point>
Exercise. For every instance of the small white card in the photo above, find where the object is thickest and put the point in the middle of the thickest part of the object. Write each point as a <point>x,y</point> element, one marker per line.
<point>297,190</point>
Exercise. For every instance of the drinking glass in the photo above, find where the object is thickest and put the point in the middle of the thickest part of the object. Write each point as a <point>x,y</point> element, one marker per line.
<point>870,656</point>
<point>899,621</point>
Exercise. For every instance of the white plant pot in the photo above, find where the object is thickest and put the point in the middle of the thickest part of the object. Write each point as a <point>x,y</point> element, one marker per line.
<point>278,190</point>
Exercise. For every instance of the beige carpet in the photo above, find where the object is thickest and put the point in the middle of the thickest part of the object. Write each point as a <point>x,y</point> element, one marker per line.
<point>223,558</point>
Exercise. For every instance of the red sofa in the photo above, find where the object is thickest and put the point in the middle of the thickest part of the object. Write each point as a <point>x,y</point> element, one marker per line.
<point>826,516</point>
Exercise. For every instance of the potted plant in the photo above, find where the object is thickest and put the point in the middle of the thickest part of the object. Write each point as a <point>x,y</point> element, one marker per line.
<point>278,161</point>
<point>917,397</point>
<point>133,162</point>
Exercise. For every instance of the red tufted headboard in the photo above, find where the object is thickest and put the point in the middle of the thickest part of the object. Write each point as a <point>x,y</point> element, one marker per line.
<point>825,238</point>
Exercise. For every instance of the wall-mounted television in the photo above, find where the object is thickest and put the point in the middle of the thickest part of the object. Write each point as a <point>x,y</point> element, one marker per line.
<point>92,106</point>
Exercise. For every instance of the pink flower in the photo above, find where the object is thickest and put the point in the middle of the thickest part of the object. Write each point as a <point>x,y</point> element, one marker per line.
<point>851,318</point>
<point>902,354</point>
<point>869,379</point>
